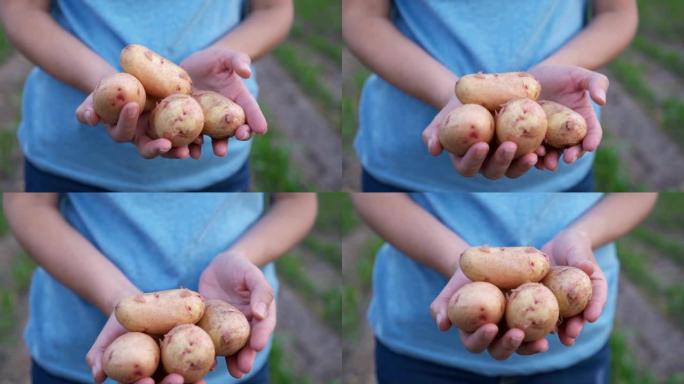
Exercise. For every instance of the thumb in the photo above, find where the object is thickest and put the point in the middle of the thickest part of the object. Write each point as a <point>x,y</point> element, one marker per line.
<point>261,294</point>
<point>240,63</point>
<point>580,259</point>
<point>597,84</point>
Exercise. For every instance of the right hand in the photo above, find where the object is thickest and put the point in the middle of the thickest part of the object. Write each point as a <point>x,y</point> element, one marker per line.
<point>109,333</point>
<point>476,159</point>
<point>132,127</point>
<point>485,337</point>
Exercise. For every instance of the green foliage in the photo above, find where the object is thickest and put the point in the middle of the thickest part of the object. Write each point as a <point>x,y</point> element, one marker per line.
<point>662,19</point>
<point>4,227</point>
<point>631,76</point>
<point>290,268</point>
<point>332,308</point>
<point>327,250</point>
<point>348,218</point>
<point>350,312</point>
<point>320,17</point>
<point>673,119</point>
<point>8,145</point>
<point>279,368</point>
<point>365,264</point>
<point>608,174</point>
<point>624,367</point>
<point>635,265</point>
<point>669,59</point>
<point>22,270</point>
<point>668,213</point>
<point>270,164</point>
<point>331,50</point>
<point>7,315</point>
<point>5,47</point>
<point>671,249</point>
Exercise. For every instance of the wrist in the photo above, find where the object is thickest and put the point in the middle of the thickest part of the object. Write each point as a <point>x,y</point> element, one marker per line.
<point>448,92</point>
<point>116,295</point>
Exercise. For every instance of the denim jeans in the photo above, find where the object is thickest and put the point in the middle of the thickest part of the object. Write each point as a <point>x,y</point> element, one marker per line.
<point>395,368</point>
<point>37,180</point>
<point>41,376</point>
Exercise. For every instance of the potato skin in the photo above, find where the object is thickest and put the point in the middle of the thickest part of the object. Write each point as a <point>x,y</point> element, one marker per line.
<point>188,351</point>
<point>156,313</point>
<point>222,116</point>
<point>226,325</point>
<point>532,308</point>
<point>160,76</point>
<point>113,93</point>
<point>492,90</point>
<point>476,304</point>
<point>131,357</point>
<point>178,118</point>
<point>505,267</point>
<point>465,126</point>
<point>565,127</point>
<point>572,288</point>
<point>523,122</point>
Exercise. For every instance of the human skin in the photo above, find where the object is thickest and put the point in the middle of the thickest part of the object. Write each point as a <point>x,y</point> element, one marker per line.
<point>416,233</point>
<point>220,67</point>
<point>373,38</point>
<point>233,275</point>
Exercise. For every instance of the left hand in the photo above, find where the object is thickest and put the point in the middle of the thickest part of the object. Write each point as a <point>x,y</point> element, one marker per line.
<point>573,248</point>
<point>231,277</point>
<point>573,87</point>
<point>222,70</point>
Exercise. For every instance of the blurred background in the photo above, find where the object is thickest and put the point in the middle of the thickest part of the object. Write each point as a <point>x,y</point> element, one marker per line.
<point>643,122</point>
<point>647,341</point>
<point>307,345</point>
<point>300,85</point>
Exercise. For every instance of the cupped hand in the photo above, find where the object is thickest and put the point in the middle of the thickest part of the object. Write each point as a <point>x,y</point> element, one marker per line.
<point>108,334</point>
<point>478,158</point>
<point>231,277</point>
<point>222,70</point>
<point>486,337</point>
<point>573,248</point>
<point>573,87</point>
<point>132,127</point>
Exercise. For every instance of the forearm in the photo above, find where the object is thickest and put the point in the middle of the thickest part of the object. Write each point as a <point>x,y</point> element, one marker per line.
<point>288,220</point>
<point>372,37</point>
<point>614,216</point>
<point>63,252</point>
<point>609,33</point>
<point>34,32</point>
<point>412,230</point>
<point>265,27</point>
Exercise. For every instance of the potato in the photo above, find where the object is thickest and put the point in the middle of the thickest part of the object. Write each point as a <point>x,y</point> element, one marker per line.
<point>113,93</point>
<point>160,76</point>
<point>131,357</point>
<point>505,267</point>
<point>222,116</point>
<point>565,126</point>
<point>572,288</point>
<point>492,90</point>
<point>465,126</point>
<point>523,122</point>
<point>532,308</point>
<point>178,118</point>
<point>150,103</point>
<point>226,325</point>
<point>188,351</point>
<point>157,312</point>
<point>476,304</point>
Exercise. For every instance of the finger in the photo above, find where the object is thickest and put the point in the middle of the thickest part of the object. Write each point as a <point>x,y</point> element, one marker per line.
<point>598,299</point>
<point>233,369</point>
<point>471,163</point>
<point>598,86</point>
<point>551,160</point>
<point>520,166</point>
<point>479,340</point>
<point>570,330</point>
<point>125,128</point>
<point>240,63</point>
<point>173,378</point>
<point>147,380</point>
<point>571,154</point>
<point>245,359</point>
<point>85,113</point>
<point>195,151</point>
<point>541,151</point>
<point>533,347</point>
<point>255,117</point>
<point>504,347</point>
<point>178,153</point>
<point>220,147</point>
<point>438,308</point>
<point>262,330</point>
<point>243,133</point>
<point>594,132</point>
<point>496,167</point>
<point>261,293</point>
<point>152,148</point>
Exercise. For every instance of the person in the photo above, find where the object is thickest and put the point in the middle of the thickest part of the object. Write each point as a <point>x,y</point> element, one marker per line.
<point>416,272</point>
<point>74,44</point>
<point>95,248</point>
<point>417,51</point>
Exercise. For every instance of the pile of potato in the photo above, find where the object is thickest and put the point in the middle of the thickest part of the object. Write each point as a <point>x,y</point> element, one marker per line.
<point>179,113</point>
<point>177,327</point>
<point>519,285</point>
<point>518,117</point>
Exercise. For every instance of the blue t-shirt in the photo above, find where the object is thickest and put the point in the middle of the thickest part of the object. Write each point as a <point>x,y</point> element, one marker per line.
<point>466,37</point>
<point>159,241</point>
<point>56,142</point>
<point>403,288</point>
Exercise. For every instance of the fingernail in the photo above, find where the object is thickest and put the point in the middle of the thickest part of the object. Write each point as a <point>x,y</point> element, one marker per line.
<point>515,340</point>
<point>440,317</point>
<point>88,115</point>
<point>431,142</point>
<point>602,95</point>
<point>261,310</point>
